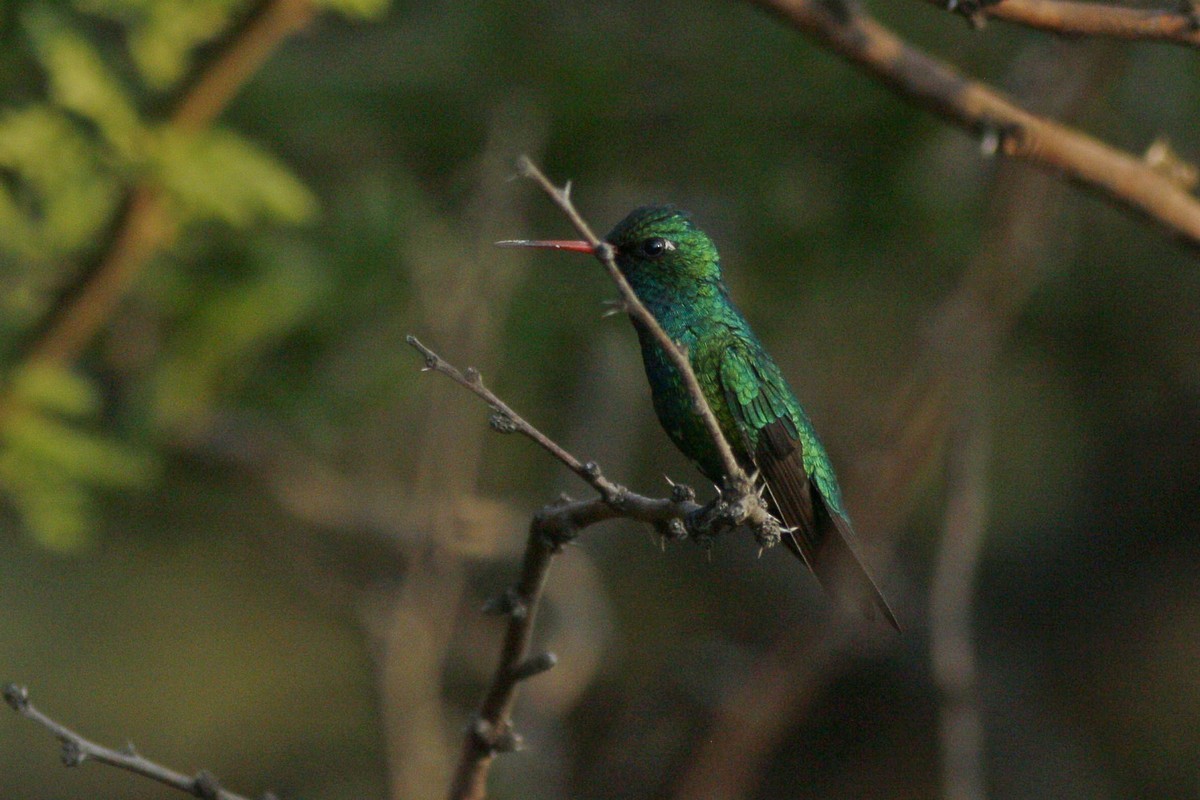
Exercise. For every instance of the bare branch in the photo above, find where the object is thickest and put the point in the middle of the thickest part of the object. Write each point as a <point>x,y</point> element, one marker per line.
<point>505,420</point>
<point>76,750</point>
<point>739,482</point>
<point>1001,124</point>
<point>676,517</point>
<point>1177,25</point>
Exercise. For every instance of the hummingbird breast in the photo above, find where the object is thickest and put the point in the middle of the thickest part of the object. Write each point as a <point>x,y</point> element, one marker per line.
<point>704,340</point>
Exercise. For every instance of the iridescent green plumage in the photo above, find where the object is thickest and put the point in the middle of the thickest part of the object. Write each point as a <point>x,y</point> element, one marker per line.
<point>674,268</point>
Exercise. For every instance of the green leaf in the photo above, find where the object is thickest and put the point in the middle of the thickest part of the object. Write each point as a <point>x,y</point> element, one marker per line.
<point>218,174</point>
<point>162,34</point>
<point>51,464</point>
<point>66,194</point>
<point>80,80</point>
<point>54,389</point>
<point>76,455</point>
<point>55,512</point>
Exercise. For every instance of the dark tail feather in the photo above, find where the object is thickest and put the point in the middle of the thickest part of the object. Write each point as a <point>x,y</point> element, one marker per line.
<point>839,568</point>
<point>820,538</point>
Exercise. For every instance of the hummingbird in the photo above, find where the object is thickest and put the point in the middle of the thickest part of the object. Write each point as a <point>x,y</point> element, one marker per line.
<point>674,269</point>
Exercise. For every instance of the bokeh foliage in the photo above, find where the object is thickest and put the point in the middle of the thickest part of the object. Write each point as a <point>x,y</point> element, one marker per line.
<point>71,153</point>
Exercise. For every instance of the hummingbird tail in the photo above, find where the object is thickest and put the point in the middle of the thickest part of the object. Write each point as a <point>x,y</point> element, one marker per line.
<point>820,537</point>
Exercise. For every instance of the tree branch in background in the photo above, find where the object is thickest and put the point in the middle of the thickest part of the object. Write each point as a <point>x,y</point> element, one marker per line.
<point>143,224</point>
<point>76,750</point>
<point>1002,125</point>
<point>1178,25</point>
<point>952,601</point>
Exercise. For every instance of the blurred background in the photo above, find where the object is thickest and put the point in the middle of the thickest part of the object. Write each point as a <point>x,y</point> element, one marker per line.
<point>244,532</point>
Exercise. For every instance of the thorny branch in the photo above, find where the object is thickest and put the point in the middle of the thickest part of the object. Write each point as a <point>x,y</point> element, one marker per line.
<point>76,750</point>
<point>1002,125</point>
<point>676,517</point>
<point>1179,25</point>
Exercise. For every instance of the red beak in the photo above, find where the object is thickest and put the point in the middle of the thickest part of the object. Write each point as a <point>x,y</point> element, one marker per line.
<point>550,244</point>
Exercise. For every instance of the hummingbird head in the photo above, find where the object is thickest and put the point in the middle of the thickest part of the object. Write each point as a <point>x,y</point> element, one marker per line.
<point>660,251</point>
<point>660,246</point>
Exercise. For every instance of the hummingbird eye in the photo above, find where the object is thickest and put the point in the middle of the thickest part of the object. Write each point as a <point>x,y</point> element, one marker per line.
<point>654,247</point>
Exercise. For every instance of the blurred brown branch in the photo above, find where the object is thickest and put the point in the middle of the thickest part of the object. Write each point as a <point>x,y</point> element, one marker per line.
<point>464,296</point>
<point>143,224</point>
<point>76,750</point>
<point>1178,25</point>
<point>952,645</point>
<point>1001,124</point>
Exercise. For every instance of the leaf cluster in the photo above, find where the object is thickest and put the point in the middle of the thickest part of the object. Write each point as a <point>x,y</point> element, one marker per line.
<point>86,124</point>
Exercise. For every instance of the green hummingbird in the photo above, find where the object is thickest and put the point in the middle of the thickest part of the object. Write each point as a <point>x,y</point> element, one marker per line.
<point>674,269</point>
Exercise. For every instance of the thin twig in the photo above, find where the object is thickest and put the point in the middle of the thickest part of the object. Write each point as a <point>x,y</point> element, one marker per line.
<point>738,481</point>
<point>506,420</point>
<point>676,517</point>
<point>1002,125</point>
<point>76,750</point>
<point>491,731</point>
<point>1071,18</point>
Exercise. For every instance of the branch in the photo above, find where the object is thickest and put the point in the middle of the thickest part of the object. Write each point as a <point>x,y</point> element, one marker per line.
<point>1003,126</point>
<point>676,517</point>
<point>950,605</point>
<point>143,225</point>
<point>552,527</point>
<point>505,420</point>
<point>76,750</point>
<point>1071,18</point>
<point>738,481</point>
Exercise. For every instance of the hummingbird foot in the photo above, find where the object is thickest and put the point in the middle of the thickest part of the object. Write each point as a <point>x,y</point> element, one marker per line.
<point>768,533</point>
<point>673,530</point>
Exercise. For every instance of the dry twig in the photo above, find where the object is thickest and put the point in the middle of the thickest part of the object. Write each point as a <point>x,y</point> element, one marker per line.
<point>76,750</point>
<point>1002,125</point>
<point>491,731</point>
<point>1177,25</point>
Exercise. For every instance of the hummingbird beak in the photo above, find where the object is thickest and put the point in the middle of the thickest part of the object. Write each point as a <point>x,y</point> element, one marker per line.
<point>550,244</point>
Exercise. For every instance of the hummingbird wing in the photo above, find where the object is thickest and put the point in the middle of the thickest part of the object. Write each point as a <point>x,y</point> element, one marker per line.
<point>776,433</point>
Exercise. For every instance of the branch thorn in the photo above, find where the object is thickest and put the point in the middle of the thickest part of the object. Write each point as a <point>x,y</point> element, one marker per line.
<point>206,786</point>
<point>534,665</point>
